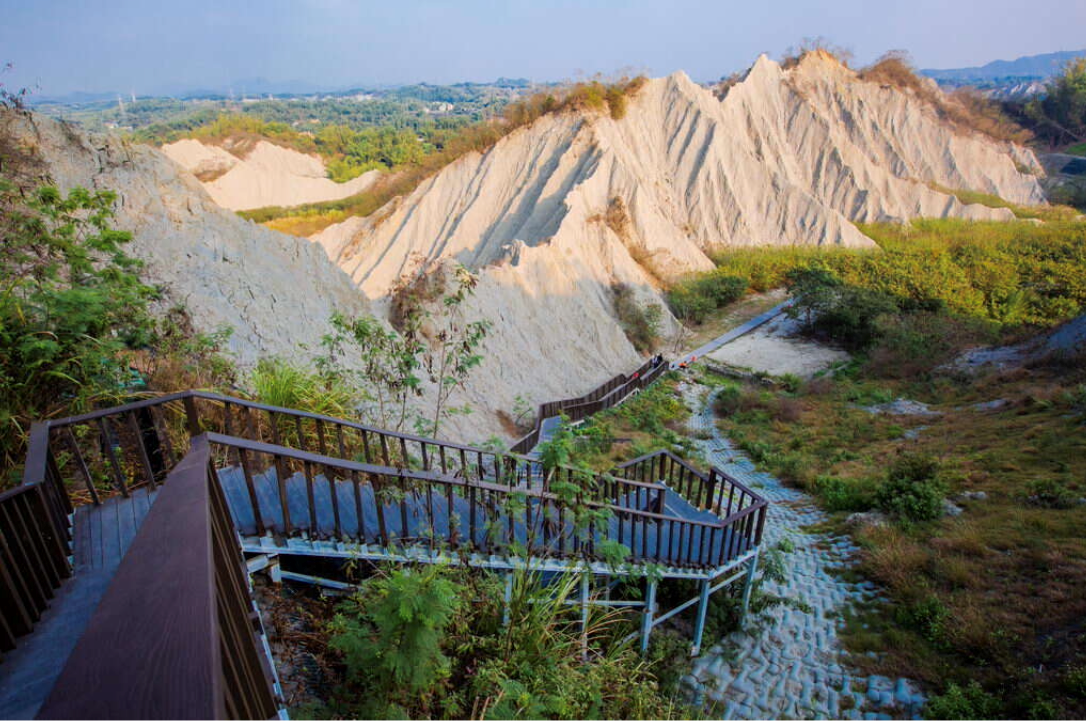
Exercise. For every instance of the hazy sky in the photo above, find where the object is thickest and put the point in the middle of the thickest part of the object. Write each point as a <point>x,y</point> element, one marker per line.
<point>162,45</point>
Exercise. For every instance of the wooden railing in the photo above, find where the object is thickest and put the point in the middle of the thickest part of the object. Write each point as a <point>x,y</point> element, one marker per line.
<point>715,491</point>
<point>34,545</point>
<point>113,451</point>
<point>490,518</point>
<point>603,397</point>
<point>173,637</point>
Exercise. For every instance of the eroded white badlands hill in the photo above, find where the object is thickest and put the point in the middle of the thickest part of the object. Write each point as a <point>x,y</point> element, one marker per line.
<point>787,157</point>
<point>274,290</point>
<point>266,175</point>
<point>558,213</point>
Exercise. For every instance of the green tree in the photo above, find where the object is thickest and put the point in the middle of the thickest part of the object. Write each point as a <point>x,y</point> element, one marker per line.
<point>441,347</point>
<point>71,305</point>
<point>390,634</point>
<point>1062,109</point>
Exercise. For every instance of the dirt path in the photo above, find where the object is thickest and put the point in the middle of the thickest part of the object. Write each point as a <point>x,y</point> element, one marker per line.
<point>791,663</point>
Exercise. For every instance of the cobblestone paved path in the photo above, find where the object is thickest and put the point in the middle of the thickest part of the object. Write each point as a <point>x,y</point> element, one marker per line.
<point>788,664</point>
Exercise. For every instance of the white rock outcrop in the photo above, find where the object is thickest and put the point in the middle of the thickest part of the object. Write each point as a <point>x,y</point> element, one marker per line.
<point>267,175</point>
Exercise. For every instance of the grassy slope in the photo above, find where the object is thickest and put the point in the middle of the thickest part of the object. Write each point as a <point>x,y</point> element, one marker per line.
<point>1008,573</point>
<point>995,594</point>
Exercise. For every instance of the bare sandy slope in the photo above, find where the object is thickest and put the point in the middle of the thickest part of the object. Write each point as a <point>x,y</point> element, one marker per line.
<point>269,175</point>
<point>777,349</point>
<point>275,291</point>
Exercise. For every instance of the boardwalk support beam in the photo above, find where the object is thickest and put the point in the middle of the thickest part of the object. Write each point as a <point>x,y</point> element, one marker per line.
<point>703,609</point>
<point>646,618</point>
<point>748,588</point>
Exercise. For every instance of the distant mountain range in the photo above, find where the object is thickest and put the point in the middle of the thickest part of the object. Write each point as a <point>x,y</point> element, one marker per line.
<point>1034,67</point>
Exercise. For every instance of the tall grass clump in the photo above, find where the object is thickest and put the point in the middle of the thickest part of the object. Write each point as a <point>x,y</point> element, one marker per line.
<point>276,382</point>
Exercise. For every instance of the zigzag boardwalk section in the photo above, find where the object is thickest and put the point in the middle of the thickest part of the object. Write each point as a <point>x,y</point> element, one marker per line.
<point>95,525</point>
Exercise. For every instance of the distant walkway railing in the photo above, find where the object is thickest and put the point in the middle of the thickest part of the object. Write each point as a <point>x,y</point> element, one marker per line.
<point>602,397</point>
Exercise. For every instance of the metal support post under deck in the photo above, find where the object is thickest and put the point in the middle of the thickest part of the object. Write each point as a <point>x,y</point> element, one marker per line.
<point>507,598</point>
<point>646,618</point>
<point>703,609</point>
<point>585,581</point>
<point>749,586</point>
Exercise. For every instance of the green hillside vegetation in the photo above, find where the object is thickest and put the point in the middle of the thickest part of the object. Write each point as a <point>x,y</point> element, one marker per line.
<point>1006,273</point>
<point>984,606</point>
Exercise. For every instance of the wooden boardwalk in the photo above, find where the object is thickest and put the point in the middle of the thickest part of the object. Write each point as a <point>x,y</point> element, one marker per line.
<point>101,536</point>
<point>285,482</point>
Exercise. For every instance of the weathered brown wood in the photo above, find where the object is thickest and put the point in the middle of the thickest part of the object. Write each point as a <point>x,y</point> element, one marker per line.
<point>155,647</point>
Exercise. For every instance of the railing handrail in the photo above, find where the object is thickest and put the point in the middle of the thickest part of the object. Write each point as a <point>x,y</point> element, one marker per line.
<point>618,386</point>
<point>669,454</point>
<point>435,477</point>
<point>210,396</point>
<point>166,585</point>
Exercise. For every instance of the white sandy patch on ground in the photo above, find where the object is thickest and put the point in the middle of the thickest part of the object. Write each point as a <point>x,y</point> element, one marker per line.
<point>776,349</point>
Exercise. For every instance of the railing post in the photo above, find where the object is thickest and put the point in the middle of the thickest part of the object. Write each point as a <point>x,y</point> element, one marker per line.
<point>192,416</point>
<point>748,587</point>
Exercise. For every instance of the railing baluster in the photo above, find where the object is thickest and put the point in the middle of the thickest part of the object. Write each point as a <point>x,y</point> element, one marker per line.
<point>141,450</point>
<point>307,470</point>
<point>254,501</point>
<point>111,453</point>
<point>281,479</point>
<point>379,495</point>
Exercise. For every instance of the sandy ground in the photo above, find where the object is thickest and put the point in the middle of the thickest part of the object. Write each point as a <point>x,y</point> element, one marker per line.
<point>777,349</point>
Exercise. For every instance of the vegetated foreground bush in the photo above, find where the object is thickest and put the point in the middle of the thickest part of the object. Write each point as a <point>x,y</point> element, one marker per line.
<point>72,312</point>
<point>430,642</point>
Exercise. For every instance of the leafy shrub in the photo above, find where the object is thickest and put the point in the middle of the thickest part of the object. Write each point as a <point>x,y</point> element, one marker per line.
<point>391,634</point>
<point>695,298</point>
<point>837,494</point>
<point>849,315</point>
<point>641,323</point>
<point>430,642</point>
<point>928,617</point>
<point>1051,494</point>
<point>1074,681</point>
<point>996,271</point>
<point>72,308</point>
<point>912,490</point>
<point>963,703</point>
<point>727,400</point>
